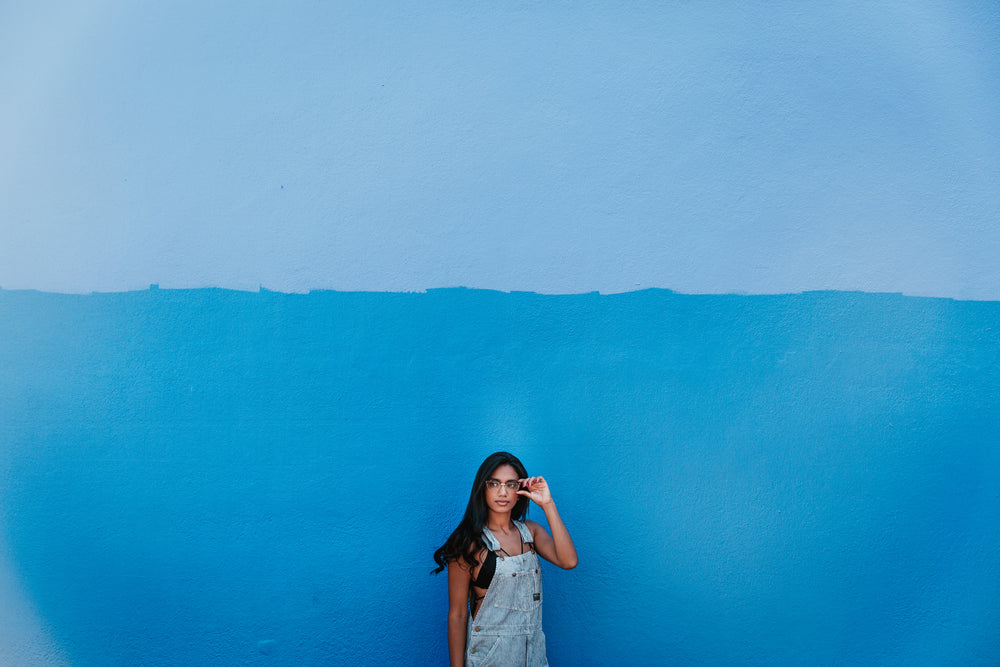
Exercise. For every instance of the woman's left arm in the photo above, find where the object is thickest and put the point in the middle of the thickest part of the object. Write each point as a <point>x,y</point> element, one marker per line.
<point>557,548</point>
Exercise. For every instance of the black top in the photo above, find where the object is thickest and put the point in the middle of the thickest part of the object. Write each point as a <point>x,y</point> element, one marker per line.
<point>485,576</point>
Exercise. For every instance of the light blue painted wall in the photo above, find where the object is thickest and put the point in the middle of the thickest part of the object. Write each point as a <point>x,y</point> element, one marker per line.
<point>218,477</point>
<point>558,147</point>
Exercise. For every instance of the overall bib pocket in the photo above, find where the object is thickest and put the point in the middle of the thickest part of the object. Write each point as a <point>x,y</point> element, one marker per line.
<point>523,595</point>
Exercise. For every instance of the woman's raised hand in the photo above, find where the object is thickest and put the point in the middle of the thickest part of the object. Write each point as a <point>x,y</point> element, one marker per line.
<point>536,489</point>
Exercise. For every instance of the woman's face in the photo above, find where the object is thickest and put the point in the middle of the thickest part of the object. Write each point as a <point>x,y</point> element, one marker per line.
<point>501,499</point>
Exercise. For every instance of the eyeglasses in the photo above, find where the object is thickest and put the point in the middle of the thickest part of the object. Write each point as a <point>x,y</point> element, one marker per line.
<point>512,485</point>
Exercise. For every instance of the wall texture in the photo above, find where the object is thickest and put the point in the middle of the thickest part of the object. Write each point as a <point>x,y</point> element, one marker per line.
<point>260,478</point>
<point>558,147</point>
<point>219,477</point>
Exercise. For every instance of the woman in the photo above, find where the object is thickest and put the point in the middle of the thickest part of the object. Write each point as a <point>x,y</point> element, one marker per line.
<point>494,578</point>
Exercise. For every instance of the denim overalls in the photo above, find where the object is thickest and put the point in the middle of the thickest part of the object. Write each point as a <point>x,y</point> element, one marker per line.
<point>507,629</point>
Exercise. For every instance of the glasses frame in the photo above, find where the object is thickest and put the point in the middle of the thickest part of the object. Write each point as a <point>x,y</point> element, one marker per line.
<point>495,484</point>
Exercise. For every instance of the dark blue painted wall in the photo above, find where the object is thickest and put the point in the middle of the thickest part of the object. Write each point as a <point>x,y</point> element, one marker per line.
<point>196,477</point>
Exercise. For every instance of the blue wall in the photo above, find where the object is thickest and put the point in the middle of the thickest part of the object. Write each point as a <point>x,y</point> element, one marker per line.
<point>209,476</point>
<point>558,147</point>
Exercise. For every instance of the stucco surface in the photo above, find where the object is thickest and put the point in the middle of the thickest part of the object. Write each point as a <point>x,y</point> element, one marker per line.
<point>558,147</point>
<point>219,477</point>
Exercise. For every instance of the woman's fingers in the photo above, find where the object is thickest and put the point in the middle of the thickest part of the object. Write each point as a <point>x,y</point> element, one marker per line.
<point>535,488</point>
<point>532,481</point>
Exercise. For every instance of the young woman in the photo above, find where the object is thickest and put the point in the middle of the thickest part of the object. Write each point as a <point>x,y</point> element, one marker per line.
<point>494,577</point>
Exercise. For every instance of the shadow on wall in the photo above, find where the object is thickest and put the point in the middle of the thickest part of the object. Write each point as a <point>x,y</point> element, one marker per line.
<point>217,477</point>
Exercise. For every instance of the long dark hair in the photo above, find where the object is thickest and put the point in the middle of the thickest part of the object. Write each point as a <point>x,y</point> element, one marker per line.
<point>467,540</point>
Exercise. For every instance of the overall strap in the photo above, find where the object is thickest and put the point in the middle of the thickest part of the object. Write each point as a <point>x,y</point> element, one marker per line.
<point>525,532</point>
<point>492,543</point>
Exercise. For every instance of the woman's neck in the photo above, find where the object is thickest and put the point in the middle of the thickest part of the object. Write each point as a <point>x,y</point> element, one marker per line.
<point>499,522</point>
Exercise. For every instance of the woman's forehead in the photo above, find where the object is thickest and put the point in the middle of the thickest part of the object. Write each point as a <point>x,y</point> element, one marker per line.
<point>504,472</point>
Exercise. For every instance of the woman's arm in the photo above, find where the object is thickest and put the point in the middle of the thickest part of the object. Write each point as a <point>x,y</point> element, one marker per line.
<point>459,580</point>
<point>558,547</point>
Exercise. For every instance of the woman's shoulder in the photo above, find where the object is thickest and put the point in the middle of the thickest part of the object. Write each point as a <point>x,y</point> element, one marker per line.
<point>532,526</point>
<point>473,551</point>
<point>477,552</point>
